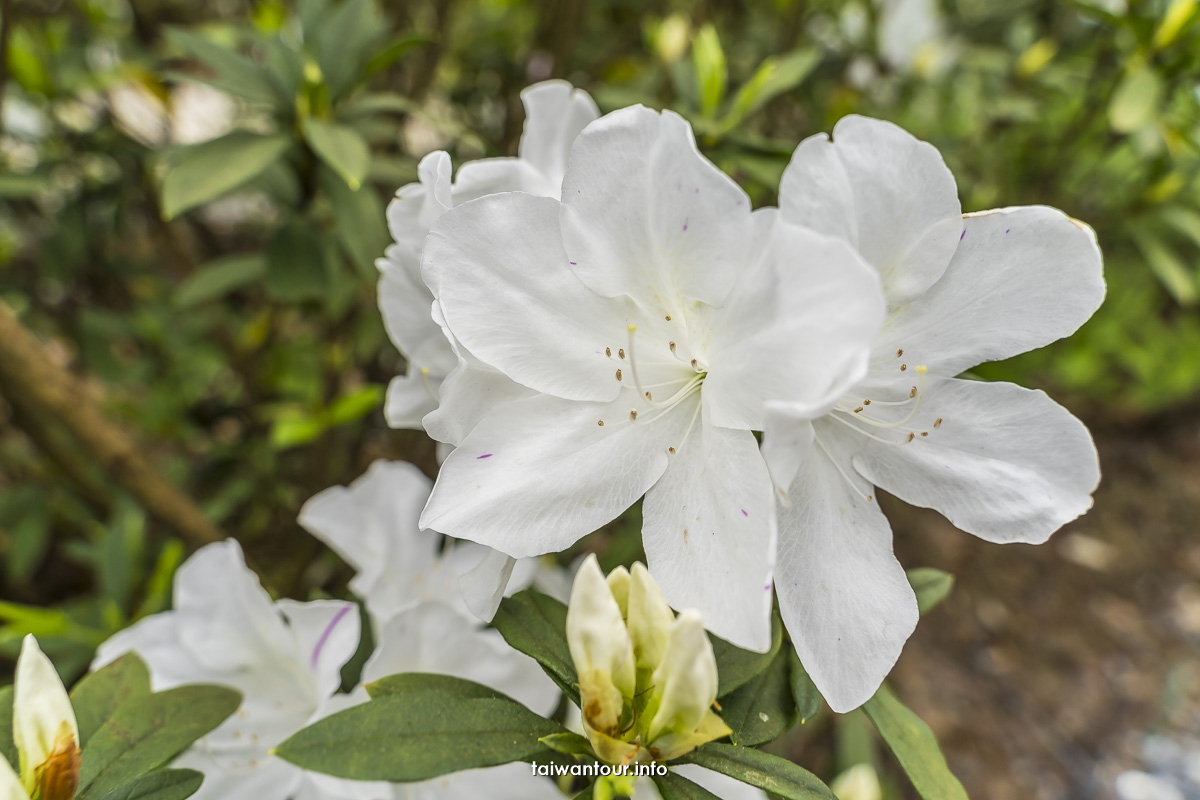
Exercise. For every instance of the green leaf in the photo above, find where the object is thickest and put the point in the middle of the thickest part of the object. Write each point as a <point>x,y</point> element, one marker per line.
<point>232,71</point>
<point>776,75</point>
<point>203,172</point>
<point>395,49</point>
<point>931,586</point>
<point>804,692</point>
<point>220,277</point>
<point>405,682</point>
<point>677,787</point>
<point>146,732</point>
<point>8,749</point>
<point>1167,267</point>
<point>571,744</point>
<point>22,187</point>
<point>419,735</point>
<point>98,695</point>
<point>342,148</point>
<point>361,225</point>
<point>163,784</point>
<point>770,773</point>
<point>1134,102</point>
<point>297,268</point>
<point>711,72</point>
<point>914,747</point>
<point>735,666</point>
<point>343,39</point>
<point>763,708</point>
<point>536,625</point>
<point>355,404</point>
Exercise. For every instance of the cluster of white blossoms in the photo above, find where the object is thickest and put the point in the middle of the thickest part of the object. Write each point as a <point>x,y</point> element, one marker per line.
<point>605,319</point>
<point>631,331</point>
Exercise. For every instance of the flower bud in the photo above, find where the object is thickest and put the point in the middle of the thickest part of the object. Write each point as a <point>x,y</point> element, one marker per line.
<point>600,648</point>
<point>860,782</point>
<point>686,686</point>
<point>10,784</point>
<point>44,727</point>
<point>649,618</point>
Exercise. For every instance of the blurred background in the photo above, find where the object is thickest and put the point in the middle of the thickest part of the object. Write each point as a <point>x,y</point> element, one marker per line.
<point>191,202</point>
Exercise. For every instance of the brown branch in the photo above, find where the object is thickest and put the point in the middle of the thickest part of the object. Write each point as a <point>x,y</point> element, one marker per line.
<point>26,370</point>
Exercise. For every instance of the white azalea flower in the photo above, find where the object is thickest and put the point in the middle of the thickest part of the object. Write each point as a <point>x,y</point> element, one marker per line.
<point>44,731</point>
<point>285,657</point>
<point>372,525</point>
<point>999,461</point>
<point>649,318</point>
<point>555,114</point>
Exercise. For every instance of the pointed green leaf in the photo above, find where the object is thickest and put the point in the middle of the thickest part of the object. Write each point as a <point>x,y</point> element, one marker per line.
<point>397,48</point>
<point>804,692</point>
<point>404,682</point>
<point>343,39</point>
<point>297,266</point>
<point>763,708</point>
<point>220,277</point>
<point>776,75</point>
<point>419,735</point>
<point>571,744</point>
<point>677,787</point>
<point>735,666</point>
<point>342,148</point>
<point>146,732</point>
<point>769,773</point>
<point>232,71</point>
<point>1171,272</point>
<point>536,625</point>
<point>914,746</point>
<point>711,71</point>
<point>931,586</point>
<point>99,694</point>
<point>162,784</point>
<point>203,172</point>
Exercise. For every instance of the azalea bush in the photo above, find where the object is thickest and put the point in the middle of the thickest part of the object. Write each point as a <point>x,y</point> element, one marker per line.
<point>479,399</point>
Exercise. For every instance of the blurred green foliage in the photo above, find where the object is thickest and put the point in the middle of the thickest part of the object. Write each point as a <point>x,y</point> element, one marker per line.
<point>192,196</point>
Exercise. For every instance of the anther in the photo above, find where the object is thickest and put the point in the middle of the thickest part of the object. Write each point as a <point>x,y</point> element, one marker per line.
<point>672,344</point>
<point>912,393</point>
<point>693,363</point>
<point>937,422</point>
<point>924,433</point>
<point>608,352</point>
<point>868,498</point>
<point>899,353</point>
<point>866,402</point>
<point>911,436</point>
<point>857,410</point>
<point>667,317</point>
<point>649,397</point>
<point>621,352</point>
<point>903,367</point>
<point>600,422</point>
<point>671,450</point>
<point>618,374</point>
<point>633,414</point>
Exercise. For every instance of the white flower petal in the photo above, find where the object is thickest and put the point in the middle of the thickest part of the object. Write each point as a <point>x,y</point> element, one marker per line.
<point>1020,279</point>
<point>433,637</point>
<point>155,639</point>
<point>10,784</point>
<point>645,214</point>
<point>555,113</point>
<point>326,635</point>
<point>799,328</point>
<point>843,596</point>
<point>709,532</point>
<point>468,394</point>
<point>537,474</point>
<point>231,622</point>
<point>486,176</point>
<point>883,190</point>
<point>269,779</point>
<point>41,710</point>
<point>1007,464</point>
<point>513,781</point>
<point>404,302</point>
<point>483,585</point>
<point>372,525</point>
<point>408,400</point>
<point>418,205</point>
<point>508,295</point>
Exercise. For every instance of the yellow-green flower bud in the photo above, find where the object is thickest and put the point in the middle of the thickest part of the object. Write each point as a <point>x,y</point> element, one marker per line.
<point>618,584</point>
<point>686,686</point>
<point>10,784</point>
<point>649,618</point>
<point>44,728</point>
<point>601,650</point>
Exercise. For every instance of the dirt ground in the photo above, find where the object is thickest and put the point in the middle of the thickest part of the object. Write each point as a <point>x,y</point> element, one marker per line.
<point>1047,666</point>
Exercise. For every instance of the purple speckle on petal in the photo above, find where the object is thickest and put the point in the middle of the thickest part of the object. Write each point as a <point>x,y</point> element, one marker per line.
<point>573,263</point>
<point>964,235</point>
<point>327,632</point>
<point>839,638</point>
<point>767,588</point>
<point>745,513</point>
<point>685,223</point>
<point>485,455</point>
<point>1006,230</point>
